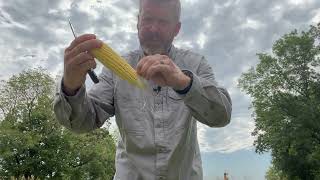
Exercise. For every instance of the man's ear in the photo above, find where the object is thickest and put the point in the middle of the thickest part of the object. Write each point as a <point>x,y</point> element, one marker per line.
<point>138,21</point>
<point>177,28</point>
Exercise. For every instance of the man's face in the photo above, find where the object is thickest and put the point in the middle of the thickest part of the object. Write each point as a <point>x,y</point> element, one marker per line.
<point>157,27</point>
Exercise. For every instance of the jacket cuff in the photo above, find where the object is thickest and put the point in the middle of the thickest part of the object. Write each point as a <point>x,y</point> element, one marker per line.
<point>76,99</point>
<point>194,92</point>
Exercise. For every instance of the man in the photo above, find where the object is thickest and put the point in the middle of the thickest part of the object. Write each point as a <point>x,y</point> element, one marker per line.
<point>158,130</point>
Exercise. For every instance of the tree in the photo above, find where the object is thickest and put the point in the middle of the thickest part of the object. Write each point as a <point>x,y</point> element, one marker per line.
<point>33,144</point>
<point>274,174</point>
<point>285,91</point>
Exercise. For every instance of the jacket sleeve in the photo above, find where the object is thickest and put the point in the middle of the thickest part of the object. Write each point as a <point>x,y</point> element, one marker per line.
<point>86,111</point>
<point>209,103</point>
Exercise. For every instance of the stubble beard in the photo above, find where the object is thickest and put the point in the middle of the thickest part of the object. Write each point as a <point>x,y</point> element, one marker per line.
<point>152,50</point>
<point>155,47</point>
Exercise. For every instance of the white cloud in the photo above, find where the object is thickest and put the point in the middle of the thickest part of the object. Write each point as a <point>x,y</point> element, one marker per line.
<point>6,21</point>
<point>234,137</point>
<point>277,12</point>
<point>184,44</point>
<point>316,17</point>
<point>300,2</point>
<point>253,24</point>
<point>201,40</point>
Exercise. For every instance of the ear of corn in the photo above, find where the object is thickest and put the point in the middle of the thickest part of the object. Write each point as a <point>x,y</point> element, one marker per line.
<point>118,65</point>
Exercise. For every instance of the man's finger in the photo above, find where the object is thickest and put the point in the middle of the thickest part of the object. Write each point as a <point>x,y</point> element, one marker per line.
<point>84,47</point>
<point>82,57</point>
<point>81,39</point>
<point>146,65</point>
<point>141,63</point>
<point>159,68</point>
<point>146,74</point>
<point>87,65</point>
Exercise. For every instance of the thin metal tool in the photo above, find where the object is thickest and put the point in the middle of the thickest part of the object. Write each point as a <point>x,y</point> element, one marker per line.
<point>91,73</point>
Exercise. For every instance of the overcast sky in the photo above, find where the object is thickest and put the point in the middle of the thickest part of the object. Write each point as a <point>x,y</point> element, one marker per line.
<point>228,33</point>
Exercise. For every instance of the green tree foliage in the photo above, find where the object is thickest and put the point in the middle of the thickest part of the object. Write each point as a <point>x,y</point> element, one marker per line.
<point>274,174</point>
<point>285,91</point>
<point>33,144</point>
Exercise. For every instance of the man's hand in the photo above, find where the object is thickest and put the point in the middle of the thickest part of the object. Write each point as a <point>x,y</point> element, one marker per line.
<point>162,70</point>
<point>77,62</point>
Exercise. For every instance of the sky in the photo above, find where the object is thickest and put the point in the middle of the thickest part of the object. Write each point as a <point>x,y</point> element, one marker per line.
<point>228,33</point>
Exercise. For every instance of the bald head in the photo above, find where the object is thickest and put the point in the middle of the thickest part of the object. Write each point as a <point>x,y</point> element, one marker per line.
<point>174,5</point>
<point>158,24</point>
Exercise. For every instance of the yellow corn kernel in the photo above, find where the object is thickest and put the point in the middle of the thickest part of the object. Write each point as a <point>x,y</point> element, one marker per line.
<point>118,65</point>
